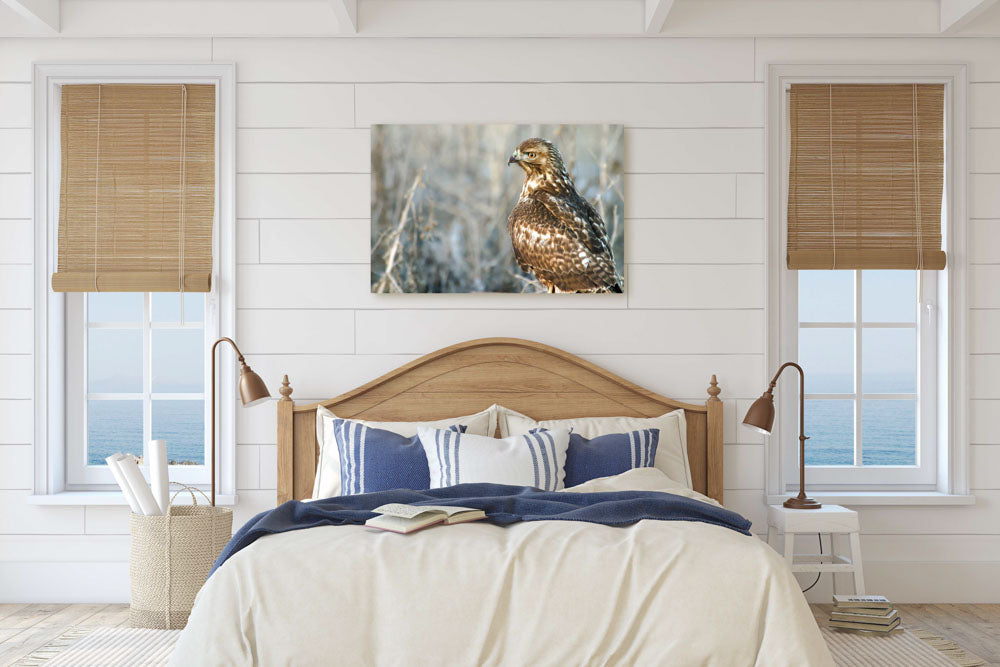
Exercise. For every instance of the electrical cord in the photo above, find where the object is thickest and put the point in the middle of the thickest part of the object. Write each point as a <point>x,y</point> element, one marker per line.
<point>818,574</point>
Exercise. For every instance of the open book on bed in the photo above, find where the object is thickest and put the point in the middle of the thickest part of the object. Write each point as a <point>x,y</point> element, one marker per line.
<point>402,518</point>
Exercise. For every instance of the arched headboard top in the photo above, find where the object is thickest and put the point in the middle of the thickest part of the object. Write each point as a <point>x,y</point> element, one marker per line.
<point>541,381</point>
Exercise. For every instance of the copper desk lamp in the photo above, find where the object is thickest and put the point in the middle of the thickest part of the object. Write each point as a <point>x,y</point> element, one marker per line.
<point>252,391</point>
<point>760,417</point>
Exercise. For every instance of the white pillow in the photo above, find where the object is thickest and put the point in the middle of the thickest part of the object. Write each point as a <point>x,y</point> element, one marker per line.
<point>639,479</point>
<point>327,482</point>
<point>636,479</point>
<point>535,459</point>
<point>671,452</point>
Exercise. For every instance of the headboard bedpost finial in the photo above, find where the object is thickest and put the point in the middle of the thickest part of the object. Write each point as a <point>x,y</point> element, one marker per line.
<point>285,390</point>
<point>286,430</point>
<point>713,389</point>
<point>713,446</point>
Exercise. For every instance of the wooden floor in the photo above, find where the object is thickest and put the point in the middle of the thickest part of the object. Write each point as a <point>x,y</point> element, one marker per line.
<point>974,627</point>
<point>26,627</point>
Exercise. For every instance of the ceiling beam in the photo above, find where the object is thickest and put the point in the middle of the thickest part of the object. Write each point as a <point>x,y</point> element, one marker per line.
<point>656,15</point>
<point>44,13</point>
<point>958,14</point>
<point>347,14</point>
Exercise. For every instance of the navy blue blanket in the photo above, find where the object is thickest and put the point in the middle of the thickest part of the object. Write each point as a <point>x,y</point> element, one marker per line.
<point>503,505</point>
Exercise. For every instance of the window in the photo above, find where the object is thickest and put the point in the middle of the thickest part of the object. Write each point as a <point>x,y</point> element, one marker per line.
<point>883,349</point>
<point>136,372</point>
<point>115,369</point>
<point>862,339</point>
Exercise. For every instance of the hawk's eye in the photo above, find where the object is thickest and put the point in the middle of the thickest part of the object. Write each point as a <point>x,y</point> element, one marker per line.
<point>531,155</point>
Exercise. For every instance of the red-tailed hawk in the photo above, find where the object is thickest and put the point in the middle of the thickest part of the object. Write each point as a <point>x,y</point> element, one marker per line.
<point>557,235</point>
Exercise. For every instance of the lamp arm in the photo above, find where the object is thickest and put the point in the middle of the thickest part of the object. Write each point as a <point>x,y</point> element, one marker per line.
<point>802,395</point>
<point>783,366</point>
<point>239,355</point>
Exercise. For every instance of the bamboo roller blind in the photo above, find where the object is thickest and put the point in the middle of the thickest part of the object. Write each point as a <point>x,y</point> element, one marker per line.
<point>866,176</point>
<point>137,192</point>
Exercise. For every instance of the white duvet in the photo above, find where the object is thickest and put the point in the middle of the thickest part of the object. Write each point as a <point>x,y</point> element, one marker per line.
<point>539,593</point>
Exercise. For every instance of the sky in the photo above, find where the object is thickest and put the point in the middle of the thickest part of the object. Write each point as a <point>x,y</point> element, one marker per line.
<point>888,356</point>
<point>115,355</point>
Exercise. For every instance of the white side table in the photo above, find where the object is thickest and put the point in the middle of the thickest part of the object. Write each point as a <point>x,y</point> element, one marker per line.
<point>832,519</point>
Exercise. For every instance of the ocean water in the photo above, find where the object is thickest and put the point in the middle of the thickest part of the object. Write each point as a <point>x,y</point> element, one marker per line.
<point>888,427</point>
<point>888,432</point>
<point>116,426</point>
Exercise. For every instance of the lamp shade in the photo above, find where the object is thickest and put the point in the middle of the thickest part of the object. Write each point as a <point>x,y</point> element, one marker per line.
<point>252,388</point>
<point>760,416</point>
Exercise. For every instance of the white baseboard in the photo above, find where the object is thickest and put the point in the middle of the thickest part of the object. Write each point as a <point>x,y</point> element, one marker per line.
<point>63,548</point>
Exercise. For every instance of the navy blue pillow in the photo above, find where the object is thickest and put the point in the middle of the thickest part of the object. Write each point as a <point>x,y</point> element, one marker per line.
<point>372,459</point>
<point>609,454</point>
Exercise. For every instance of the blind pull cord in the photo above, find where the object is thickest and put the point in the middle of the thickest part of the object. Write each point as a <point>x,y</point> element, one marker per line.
<point>833,205</point>
<point>916,183</point>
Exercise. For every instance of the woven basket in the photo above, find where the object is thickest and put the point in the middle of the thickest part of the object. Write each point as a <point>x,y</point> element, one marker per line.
<point>170,559</point>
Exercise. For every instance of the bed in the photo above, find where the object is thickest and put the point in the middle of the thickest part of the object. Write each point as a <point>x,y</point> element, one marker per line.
<point>544,592</point>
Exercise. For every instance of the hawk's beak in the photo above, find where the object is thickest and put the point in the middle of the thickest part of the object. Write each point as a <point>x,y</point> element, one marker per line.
<point>515,157</point>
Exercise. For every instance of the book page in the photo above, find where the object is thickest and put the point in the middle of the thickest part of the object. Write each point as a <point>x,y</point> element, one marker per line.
<point>398,524</point>
<point>450,511</point>
<point>406,511</point>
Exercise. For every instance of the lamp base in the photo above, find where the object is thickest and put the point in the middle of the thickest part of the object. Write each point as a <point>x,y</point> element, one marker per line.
<point>802,504</point>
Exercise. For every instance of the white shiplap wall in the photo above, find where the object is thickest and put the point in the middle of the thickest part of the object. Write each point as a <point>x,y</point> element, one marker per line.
<point>693,109</point>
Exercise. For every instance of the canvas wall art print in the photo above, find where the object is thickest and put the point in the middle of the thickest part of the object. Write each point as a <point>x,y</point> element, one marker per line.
<point>497,208</point>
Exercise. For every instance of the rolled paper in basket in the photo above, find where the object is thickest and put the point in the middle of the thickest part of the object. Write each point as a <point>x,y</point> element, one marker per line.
<point>136,482</point>
<point>122,483</point>
<point>158,474</point>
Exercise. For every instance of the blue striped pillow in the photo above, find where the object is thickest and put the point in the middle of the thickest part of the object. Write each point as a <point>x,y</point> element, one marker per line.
<point>372,459</point>
<point>610,454</point>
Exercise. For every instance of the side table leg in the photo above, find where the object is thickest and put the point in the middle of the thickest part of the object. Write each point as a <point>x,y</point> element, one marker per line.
<point>789,547</point>
<point>772,532</point>
<point>859,575</point>
<point>833,558</point>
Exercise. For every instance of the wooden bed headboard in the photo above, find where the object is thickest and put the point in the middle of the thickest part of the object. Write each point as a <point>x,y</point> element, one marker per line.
<point>540,381</point>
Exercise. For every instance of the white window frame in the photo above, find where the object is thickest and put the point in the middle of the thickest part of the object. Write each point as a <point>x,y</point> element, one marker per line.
<point>947,307</point>
<point>51,482</point>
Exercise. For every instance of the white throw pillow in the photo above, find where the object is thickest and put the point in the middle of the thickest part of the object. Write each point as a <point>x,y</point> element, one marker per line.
<point>327,482</point>
<point>533,459</point>
<point>671,452</point>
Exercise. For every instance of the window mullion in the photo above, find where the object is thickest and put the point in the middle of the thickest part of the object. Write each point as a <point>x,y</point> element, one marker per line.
<point>858,389</point>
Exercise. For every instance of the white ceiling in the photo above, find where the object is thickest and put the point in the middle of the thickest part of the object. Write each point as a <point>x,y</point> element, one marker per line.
<point>419,18</point>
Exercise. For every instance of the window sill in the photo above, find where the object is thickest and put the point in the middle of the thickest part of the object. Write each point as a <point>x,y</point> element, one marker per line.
<point>112,498</point>
<point>850,498</point>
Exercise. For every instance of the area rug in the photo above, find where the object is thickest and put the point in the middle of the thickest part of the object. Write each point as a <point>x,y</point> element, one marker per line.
<point>101,647</point>
<point>914,647</point>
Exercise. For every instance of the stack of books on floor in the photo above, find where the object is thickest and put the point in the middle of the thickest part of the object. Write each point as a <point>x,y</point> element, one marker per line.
<point>864,613</point>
